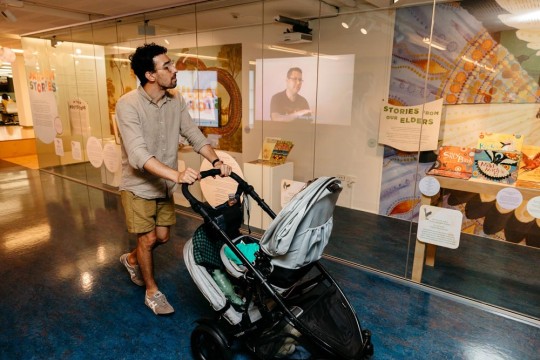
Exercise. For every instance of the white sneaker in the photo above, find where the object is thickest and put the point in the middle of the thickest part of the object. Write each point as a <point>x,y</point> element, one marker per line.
<point>134,271</point>
<point>158,303</point>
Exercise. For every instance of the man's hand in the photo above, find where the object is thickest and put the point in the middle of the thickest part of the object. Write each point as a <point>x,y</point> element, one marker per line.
<point>225,169</point>
<point>189,176</point>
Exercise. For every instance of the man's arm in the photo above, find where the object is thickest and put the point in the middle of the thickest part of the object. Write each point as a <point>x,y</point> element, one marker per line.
<point>156,167</point>
<point>209,154</point>
<point>289,117</point>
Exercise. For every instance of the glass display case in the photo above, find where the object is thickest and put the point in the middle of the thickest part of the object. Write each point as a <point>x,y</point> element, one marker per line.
<point>386,95</point>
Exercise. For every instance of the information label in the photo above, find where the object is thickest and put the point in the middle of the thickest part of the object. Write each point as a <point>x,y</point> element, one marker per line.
<point>76,151</point>
<point>289,188</point>
<point>509,198</point>
<point>429,186</point>
<point>94,151</point>
<point>533,207</point>
<point>112,157</point>
<point>439,226</point>
<point>58,147</point>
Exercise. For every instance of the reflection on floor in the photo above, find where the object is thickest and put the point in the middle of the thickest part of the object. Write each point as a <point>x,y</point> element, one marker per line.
<point>27,161</point>
<point>66,296</point>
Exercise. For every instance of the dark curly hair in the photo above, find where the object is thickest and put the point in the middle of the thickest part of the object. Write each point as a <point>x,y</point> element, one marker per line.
<point>142,60</point>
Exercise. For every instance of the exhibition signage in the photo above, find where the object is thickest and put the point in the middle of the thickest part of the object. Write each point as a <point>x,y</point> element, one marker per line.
<point>439,226</point>
<point>289,188</point>
<point>411,128</point>
<point>42,89</point>
<point>79,117</point>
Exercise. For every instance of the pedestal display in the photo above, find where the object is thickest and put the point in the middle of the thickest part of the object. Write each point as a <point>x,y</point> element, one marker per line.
<point>265,178</point>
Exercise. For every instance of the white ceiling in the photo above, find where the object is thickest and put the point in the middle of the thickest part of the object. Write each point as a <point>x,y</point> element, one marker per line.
<point>38,15</point>
<point>51,18</point>
<point>35,16</point>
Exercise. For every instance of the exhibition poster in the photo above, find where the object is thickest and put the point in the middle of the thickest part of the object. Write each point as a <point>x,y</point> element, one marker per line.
<point>411,128</point>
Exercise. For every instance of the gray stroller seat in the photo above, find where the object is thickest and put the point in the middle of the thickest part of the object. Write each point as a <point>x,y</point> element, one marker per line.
<point>298,235</point>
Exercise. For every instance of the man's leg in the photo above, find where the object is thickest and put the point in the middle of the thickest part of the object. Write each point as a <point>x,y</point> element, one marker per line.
<point>146,243</point>
<point>151,221</point>
<point>135,209</point>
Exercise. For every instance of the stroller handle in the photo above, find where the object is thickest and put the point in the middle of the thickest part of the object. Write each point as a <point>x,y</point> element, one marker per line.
<point>243,187</point>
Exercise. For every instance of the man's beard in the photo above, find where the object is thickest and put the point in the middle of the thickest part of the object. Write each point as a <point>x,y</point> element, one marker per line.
<point>171,85</point>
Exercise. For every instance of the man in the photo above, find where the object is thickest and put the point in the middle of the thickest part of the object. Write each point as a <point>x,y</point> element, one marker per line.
<point>151,119</point>
<point>288,105</point>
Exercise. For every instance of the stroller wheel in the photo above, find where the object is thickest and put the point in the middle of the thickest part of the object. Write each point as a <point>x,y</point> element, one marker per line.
<point>209,343</point>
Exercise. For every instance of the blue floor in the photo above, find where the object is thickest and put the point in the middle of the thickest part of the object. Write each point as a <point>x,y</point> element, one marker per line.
<point>66,296</point>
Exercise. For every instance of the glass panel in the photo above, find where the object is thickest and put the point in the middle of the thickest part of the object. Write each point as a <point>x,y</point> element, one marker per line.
<point>484,65</point>
<point>357,85</point>
<point>353,89</point>
<point>47,64</point>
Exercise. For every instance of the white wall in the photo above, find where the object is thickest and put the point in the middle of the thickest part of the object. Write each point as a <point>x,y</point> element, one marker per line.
<point>320,150</point>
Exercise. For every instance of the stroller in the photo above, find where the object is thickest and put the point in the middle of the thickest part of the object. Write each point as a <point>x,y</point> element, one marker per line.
<point>285,304</point>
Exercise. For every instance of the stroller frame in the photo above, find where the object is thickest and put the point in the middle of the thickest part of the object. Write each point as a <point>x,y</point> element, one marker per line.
<point>218,336</point>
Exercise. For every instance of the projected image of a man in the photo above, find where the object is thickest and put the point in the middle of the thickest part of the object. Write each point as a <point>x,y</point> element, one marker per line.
<point>288,104</point>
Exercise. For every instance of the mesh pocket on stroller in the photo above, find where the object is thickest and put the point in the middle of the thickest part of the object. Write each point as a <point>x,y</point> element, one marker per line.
<point>207,242</point>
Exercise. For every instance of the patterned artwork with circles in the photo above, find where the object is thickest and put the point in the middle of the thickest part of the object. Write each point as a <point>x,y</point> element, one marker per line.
<point>488,78</point>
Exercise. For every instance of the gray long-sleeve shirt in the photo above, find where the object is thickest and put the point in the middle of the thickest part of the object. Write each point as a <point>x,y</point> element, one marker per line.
<point>149,130</point>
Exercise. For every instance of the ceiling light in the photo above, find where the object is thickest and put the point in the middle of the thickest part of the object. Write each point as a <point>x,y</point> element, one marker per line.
<point>8,15</point>
<point>287,49</point>
<point>349,24</point>
<point>185,56</point>
<point>91,57</point>
<point>121,59</point>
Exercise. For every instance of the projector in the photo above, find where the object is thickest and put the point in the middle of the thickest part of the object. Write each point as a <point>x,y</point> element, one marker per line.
<point>296,38</point>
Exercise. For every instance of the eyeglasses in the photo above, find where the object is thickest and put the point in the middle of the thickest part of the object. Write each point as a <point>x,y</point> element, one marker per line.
<point>296,79</point>
<point>169,67</point>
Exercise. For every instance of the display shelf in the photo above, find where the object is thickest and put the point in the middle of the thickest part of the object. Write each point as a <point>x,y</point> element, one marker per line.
<point>481,186</point>
<point>424,254</point>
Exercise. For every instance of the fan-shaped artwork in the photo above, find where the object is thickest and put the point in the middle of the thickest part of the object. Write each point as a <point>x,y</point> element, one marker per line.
<point>465,65</point>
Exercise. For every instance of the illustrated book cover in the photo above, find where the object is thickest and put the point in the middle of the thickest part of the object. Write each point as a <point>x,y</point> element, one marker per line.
<point>453,161</point>
<point>268,147</point>
<point>496,165</point>
<point>529,167</point>
<point>281,151</point>
<point>499,141</point>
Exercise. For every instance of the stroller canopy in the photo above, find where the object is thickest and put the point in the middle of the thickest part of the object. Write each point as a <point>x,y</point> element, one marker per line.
<point>300,232</point>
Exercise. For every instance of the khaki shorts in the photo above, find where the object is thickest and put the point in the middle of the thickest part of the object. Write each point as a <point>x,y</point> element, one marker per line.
<point>143,215</point>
